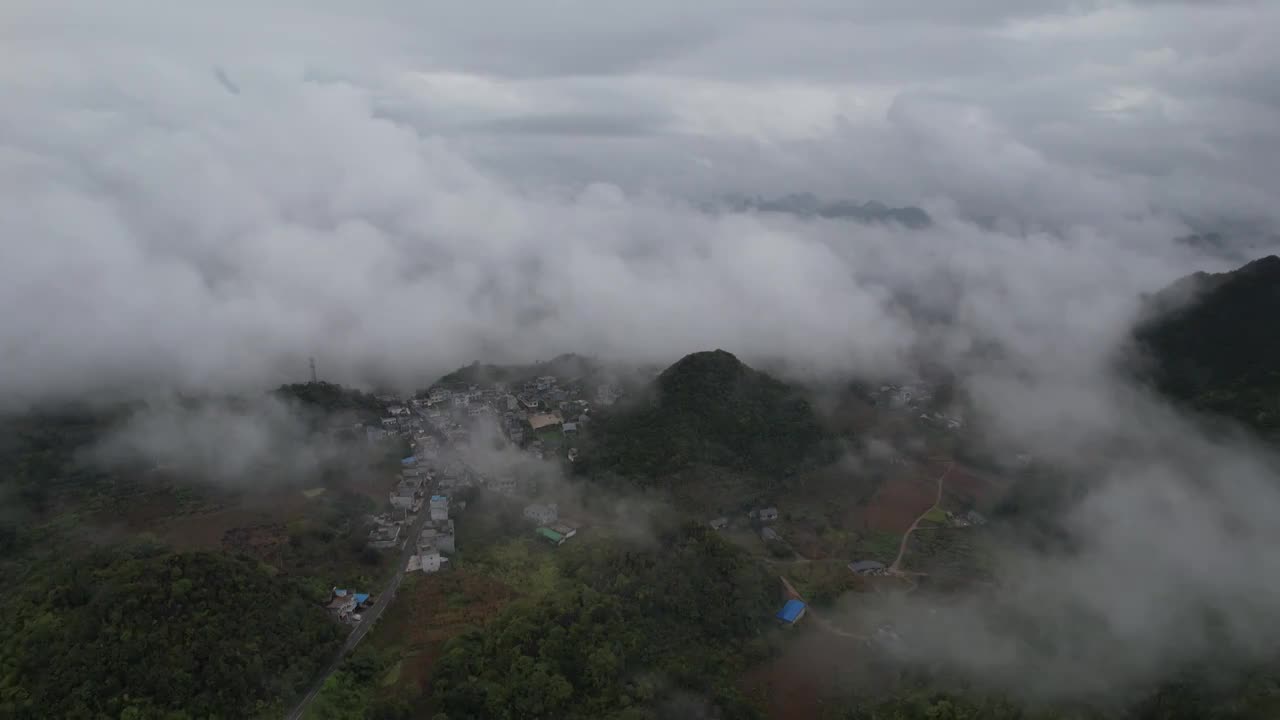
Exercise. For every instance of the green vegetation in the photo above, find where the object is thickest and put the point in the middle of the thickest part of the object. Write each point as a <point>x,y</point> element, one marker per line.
<point>50,487</point>
<point>327,546</point>
<point>870,545</point>
<point>146,633</point>
<point>950,553</point>
<point>328,399</point>
<point>568,366</point>
<point>630,629</point>
<point>1198,695</point>
<point>1218,351</point>
<point>526,562</point>
<point>936,515</point>
<point>822,581</point>
<point>351,693</point>
<point>709,409</point>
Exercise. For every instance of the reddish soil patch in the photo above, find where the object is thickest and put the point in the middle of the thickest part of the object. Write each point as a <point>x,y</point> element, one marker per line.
<point>796,685</point>
<point>900,501</point>
<point>788,691</point>
<point>264,542</point>
<point>965,489</point>
<point>807,543</point>
<point>435,609</point>
<point>209,530</point>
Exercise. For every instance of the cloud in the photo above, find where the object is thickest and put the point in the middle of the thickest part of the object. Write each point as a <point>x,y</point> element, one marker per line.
<point>412,186</point>
<point>248,444</point>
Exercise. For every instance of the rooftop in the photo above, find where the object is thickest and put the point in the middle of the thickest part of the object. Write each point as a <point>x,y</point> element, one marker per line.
<point>551,535</point>
<point>791,611</point>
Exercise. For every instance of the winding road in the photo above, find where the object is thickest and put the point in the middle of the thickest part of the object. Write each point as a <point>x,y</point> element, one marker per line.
<point>370,616</point>
<point>895,568</point>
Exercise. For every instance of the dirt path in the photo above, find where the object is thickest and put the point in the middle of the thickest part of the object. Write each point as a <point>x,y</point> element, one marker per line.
<point>895,568</point>
<point>818,619</point>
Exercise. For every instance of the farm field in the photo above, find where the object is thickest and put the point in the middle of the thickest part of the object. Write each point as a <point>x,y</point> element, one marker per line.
<point>965,490</point>
<point>899,502</point>
<point>954,553</point>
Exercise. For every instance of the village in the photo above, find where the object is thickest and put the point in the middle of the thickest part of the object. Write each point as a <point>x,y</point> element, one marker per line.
<point>541,417</point>
<point>442,431</point>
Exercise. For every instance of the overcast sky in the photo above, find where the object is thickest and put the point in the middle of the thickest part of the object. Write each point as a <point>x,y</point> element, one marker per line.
<point>206,194</point>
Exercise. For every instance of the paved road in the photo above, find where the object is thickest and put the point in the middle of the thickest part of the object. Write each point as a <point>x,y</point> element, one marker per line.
<point>902,549</point>
<point>370,616</point>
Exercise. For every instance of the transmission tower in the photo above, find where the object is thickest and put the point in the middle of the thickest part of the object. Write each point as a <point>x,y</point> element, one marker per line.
<point>312,362</point>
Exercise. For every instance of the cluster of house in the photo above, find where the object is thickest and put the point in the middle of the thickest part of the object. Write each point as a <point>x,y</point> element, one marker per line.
<point>761,515</point>
<point>346,605</point>
<point>868,567</point>
<point>914,397</point>
<point>436,540</point>
<point>540,414</point>
<point>385,533</point>
<point>909,396</point>
<point>550,525</point>
<point>965,519</point>
<point>410,491</point>
<point>413,495</point>
<point>937,419</point>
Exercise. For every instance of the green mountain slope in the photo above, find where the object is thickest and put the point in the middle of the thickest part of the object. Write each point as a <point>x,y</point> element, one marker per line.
<point>1213,343</point>
<point>709,408</point>
<point>146,633</point>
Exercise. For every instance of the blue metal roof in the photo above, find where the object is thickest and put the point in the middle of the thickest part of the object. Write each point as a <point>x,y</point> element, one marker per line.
<point>791,611</point>
<point>409,460</point>
<point>361,597</point>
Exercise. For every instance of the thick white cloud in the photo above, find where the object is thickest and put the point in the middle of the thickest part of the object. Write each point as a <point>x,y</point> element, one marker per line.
<point>205,195</point>
<point>201,196</point>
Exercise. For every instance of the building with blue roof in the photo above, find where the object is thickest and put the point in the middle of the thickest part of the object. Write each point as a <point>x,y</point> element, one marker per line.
<point>362,598</point>
<point>792,612</point>
<point>411,460</point>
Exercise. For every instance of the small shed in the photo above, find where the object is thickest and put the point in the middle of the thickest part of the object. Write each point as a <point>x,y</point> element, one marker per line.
<point>768,514</point>
<point>792,612</point>
<point>866,567</point>
<point>554,537</point>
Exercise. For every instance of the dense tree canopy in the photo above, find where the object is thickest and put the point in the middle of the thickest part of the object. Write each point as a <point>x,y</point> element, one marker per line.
<point>709,408</point>
<point>639,626</point>
<point>329,398</point>
<point>1218,351</point>
<point>147,633</point>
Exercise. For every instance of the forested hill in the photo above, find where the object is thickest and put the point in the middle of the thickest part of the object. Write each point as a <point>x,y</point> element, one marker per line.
<point>147,633</point>
<point>568,366</point>
<point>635,630</point>
<point>329,398</point>
<point>709,408</point>
<point>1213,343</point>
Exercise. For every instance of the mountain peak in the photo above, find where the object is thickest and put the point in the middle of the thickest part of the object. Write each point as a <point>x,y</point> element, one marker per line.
<point>710,408</point>
<point>1211,342</point>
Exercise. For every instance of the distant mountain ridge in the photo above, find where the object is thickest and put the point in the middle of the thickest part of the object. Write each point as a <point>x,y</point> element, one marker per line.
<point>1212,341</point>
<point>809,205</point>
<point>709,408</point>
